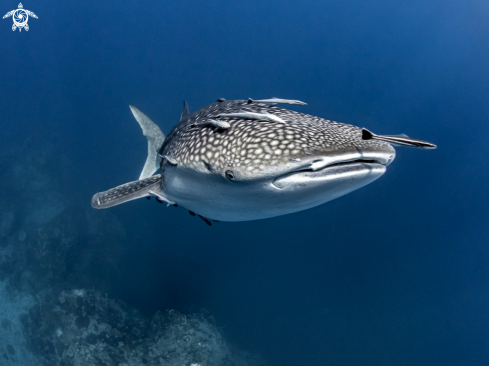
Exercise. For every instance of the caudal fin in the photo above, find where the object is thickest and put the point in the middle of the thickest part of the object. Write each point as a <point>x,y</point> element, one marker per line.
<point>155,139</point>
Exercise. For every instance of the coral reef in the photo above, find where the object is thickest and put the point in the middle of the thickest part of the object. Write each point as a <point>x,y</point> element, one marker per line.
<point>50,254</point>
<point>13,345</point>
<point>84,327</point>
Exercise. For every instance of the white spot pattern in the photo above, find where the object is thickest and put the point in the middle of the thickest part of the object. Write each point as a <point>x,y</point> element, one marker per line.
<point>257,145</point>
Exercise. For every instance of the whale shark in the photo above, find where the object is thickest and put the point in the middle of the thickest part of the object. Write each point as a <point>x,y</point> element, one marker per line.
<point>239,160</point>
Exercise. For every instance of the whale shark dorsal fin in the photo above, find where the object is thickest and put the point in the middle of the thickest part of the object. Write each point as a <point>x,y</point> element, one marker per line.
<point>185,112</point>
<point>155,139</point>
<point>130,191</point>
<point>402,140</point>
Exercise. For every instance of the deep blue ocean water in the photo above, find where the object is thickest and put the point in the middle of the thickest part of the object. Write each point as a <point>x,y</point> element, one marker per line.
<point>396,273</point>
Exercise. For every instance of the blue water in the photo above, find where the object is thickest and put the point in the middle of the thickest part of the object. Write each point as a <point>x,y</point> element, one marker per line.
<point>396,273</point>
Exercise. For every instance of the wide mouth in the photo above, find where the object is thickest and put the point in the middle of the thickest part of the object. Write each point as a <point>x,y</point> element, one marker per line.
<point>356,168</point>
<point>346,163</point>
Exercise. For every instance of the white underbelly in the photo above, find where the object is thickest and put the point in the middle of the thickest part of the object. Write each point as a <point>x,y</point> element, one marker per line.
<point>216,198</point>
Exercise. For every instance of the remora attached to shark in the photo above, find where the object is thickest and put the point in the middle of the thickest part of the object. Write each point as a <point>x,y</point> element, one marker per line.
<point>244,160</point>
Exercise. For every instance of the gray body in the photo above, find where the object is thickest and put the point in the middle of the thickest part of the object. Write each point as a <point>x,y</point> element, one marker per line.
<point>255,169</point>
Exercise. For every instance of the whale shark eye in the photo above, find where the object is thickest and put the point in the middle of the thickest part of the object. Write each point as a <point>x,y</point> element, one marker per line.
<point>230,175</point>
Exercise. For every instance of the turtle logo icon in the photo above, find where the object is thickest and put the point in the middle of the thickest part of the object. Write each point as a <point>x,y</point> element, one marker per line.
<point>20,17</point>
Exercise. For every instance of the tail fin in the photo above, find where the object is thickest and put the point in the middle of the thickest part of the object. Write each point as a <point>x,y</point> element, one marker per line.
<point>155,139</point>
<point>128,192</point>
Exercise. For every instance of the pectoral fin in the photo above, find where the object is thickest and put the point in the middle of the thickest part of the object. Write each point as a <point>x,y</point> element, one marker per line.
<point>130,191</point>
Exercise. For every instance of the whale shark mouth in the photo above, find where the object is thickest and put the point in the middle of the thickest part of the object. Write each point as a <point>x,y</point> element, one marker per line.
<point>353,169</point>
<point>346,163</point>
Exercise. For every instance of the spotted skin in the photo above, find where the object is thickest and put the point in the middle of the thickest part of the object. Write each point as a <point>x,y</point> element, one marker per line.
<point>255,169</point>
<point>256,146</point>
<point>126,192</point>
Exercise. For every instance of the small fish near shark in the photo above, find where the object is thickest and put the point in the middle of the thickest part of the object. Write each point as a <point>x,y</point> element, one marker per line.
<point>242,160</point>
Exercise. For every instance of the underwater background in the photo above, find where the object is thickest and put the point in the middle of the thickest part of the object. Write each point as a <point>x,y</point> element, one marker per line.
<point>396,273</point>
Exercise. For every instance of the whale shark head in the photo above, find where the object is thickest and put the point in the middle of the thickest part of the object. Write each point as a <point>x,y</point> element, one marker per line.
<point>257,169</point>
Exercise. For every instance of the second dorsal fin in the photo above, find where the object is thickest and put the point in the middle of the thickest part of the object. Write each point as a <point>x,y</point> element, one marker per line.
<point>185,112</point>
